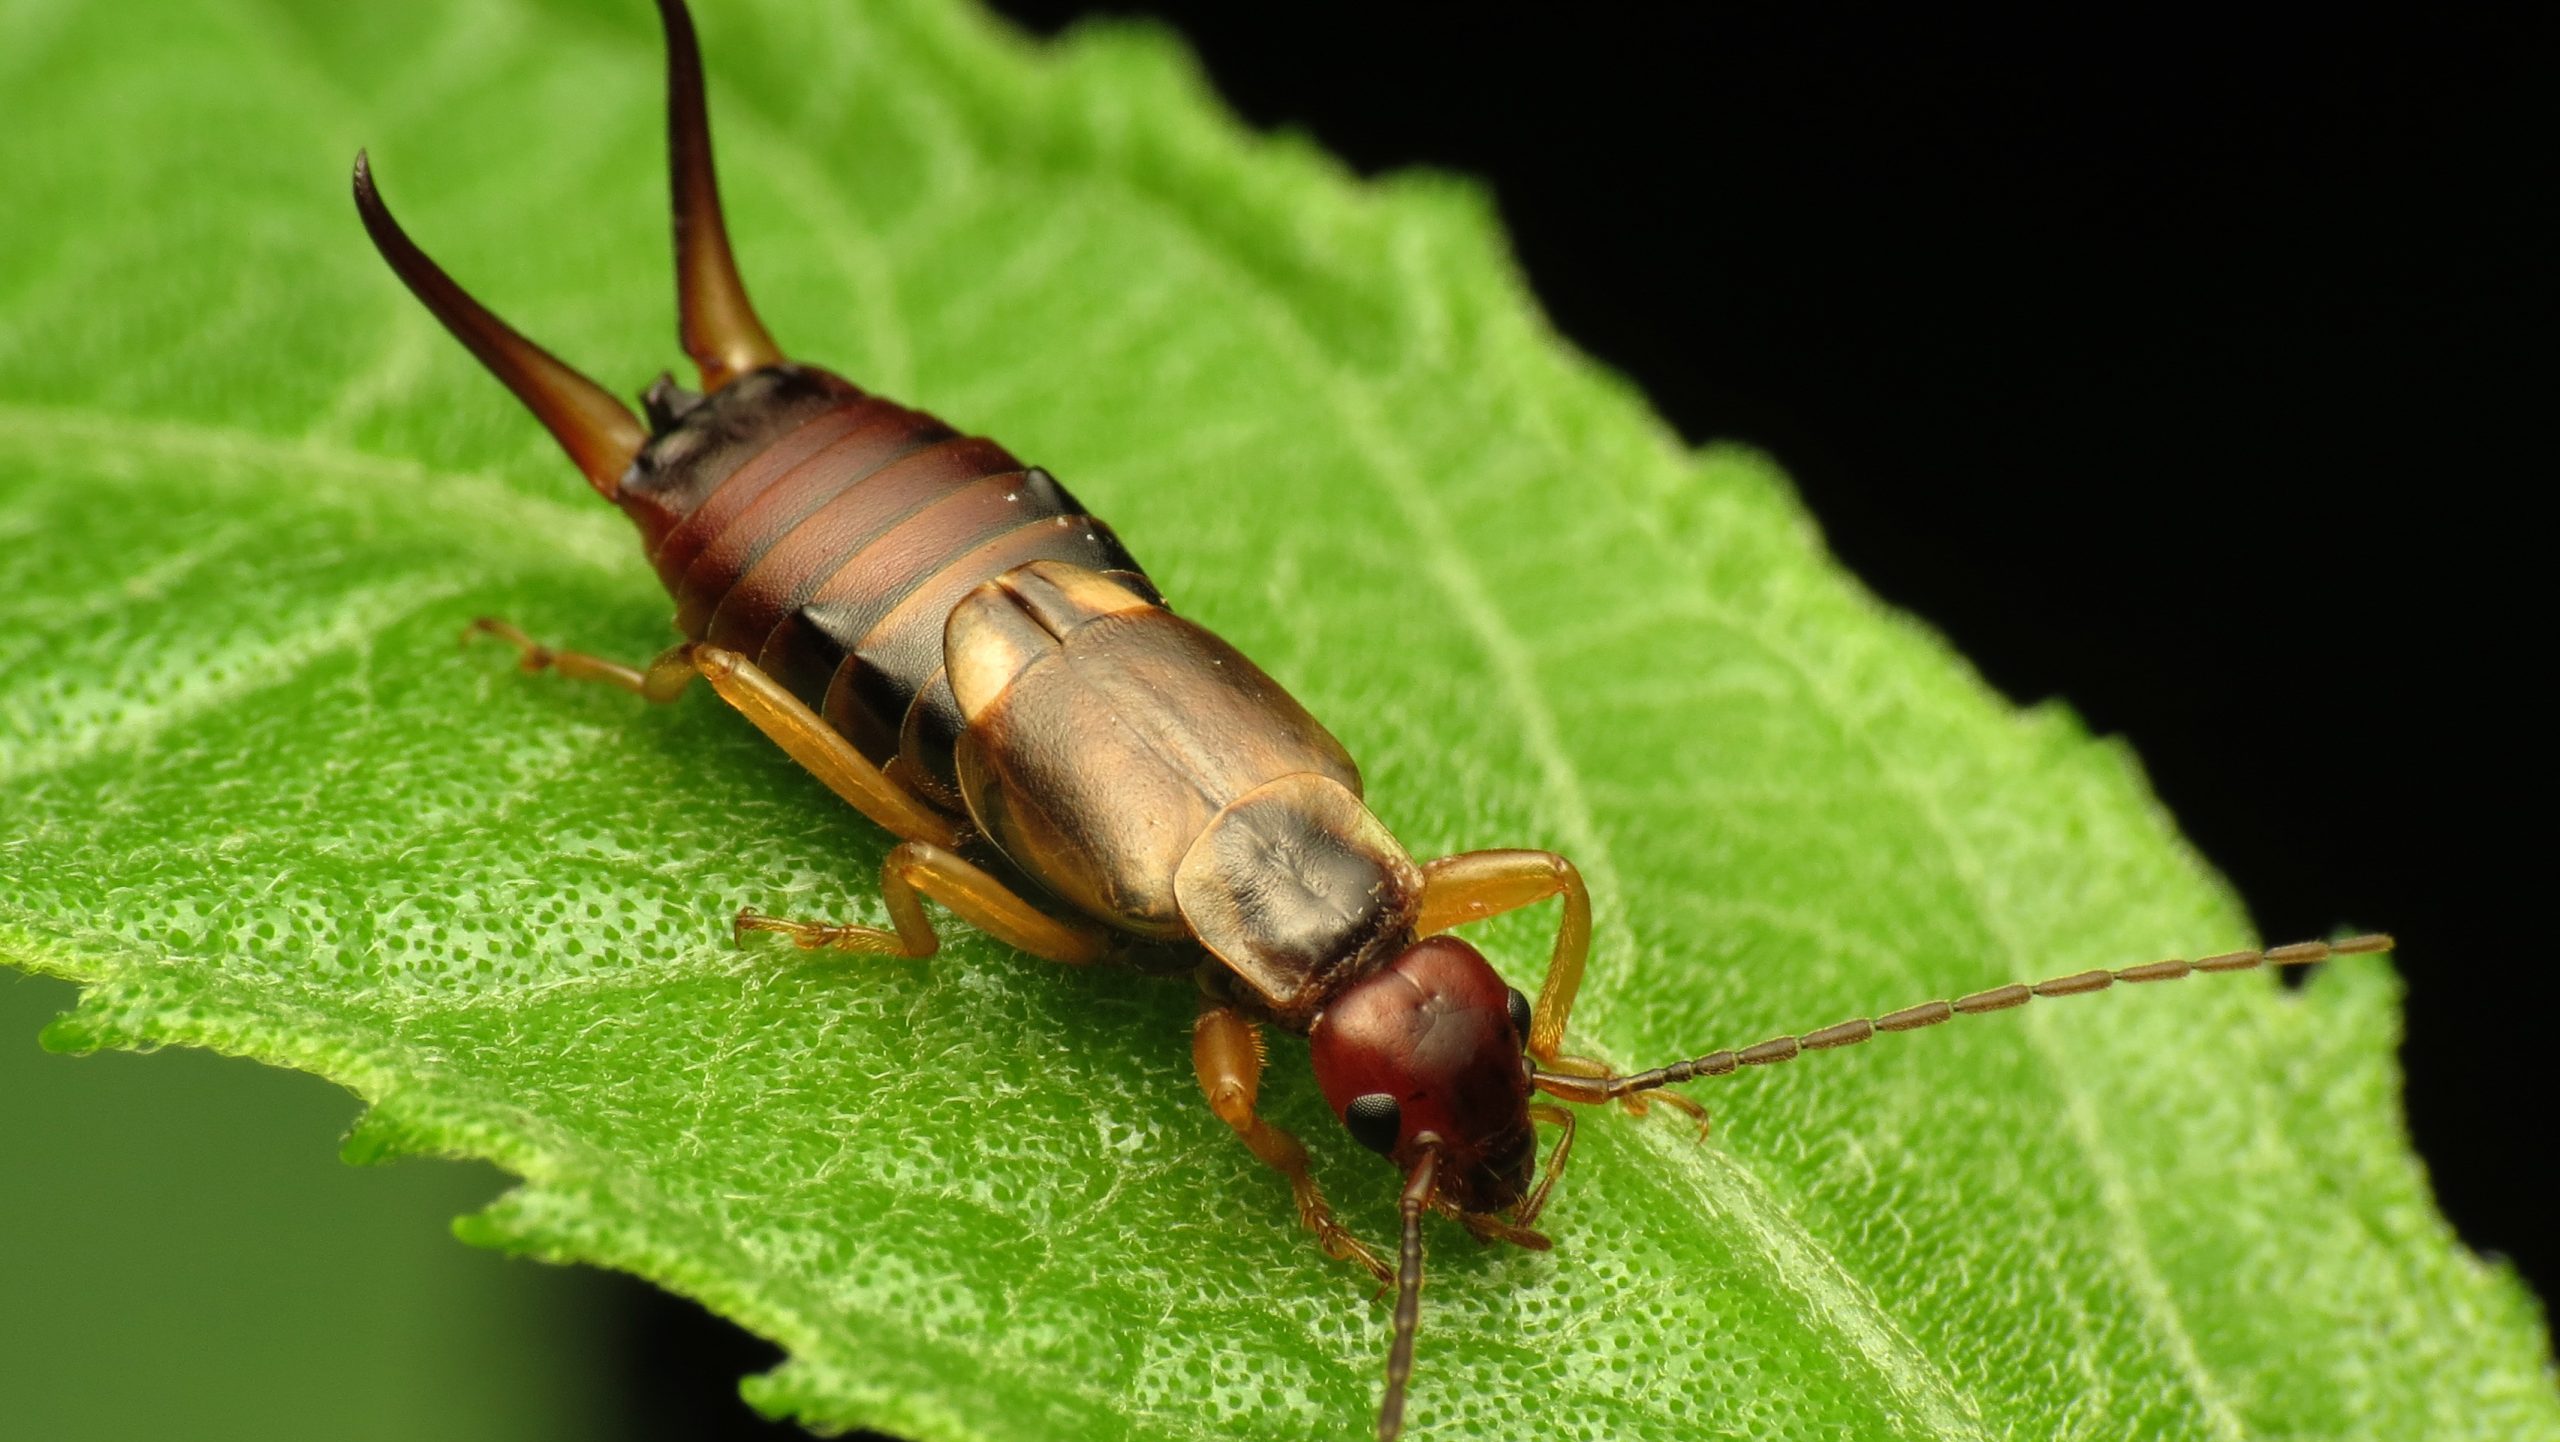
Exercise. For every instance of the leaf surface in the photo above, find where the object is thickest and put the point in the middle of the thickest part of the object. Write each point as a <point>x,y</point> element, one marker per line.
<point>257,800</point>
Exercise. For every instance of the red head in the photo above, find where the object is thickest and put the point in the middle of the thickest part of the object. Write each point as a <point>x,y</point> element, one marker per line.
<point>1431,1043</point>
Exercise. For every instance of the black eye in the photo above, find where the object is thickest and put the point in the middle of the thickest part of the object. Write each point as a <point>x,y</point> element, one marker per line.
<point>1374,1121</point>
<point>1520,1015</point>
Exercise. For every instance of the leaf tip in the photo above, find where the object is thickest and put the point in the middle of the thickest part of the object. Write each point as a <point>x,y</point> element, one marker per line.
<point>81,1032</point>
<point>379,1136</point>
<point>492,1229</point>
<point>526,1222</point>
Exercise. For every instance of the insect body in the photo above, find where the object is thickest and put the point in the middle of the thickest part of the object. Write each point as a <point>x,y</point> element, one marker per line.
<point>944,637</point>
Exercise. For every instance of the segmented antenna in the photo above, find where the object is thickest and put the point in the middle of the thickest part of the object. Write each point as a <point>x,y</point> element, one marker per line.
<point>1417,1199</point>
<point>1929,1013</point>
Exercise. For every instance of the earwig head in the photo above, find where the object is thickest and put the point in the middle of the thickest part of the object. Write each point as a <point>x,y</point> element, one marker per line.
<point>1430,1044</point>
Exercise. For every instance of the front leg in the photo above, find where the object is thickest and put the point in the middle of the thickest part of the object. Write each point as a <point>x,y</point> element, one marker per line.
<point>1479,885</point>
<point>1226,1051</point>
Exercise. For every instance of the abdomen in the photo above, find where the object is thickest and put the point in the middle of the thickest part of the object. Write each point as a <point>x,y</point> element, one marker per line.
<point>828,533</point>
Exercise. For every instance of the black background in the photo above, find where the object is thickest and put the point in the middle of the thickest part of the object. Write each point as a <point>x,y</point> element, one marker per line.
<point>2186,368</point>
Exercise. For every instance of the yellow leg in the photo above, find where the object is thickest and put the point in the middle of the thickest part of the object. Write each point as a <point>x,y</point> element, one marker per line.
<point>789,723</point>
<point>1479,885</point>
<point>781,716</point>
<point>664,679</point>
<point>917,869</point>
<point>1226,1051</point>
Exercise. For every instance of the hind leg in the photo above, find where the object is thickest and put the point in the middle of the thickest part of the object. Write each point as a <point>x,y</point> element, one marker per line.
<point>784,718</point>
<point>663,680</point>
<point>819,748</point>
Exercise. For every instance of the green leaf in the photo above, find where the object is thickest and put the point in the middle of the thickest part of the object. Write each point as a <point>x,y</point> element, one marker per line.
<point>257,800</point>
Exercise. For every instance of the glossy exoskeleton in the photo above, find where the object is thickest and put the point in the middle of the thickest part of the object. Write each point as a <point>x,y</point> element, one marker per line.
<point>945,638</point>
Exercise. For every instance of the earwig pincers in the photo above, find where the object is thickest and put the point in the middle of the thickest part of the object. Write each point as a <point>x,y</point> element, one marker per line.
<point>952,644</point>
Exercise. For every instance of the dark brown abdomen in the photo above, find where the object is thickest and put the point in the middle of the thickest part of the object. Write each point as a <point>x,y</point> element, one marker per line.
<point>827,534</point>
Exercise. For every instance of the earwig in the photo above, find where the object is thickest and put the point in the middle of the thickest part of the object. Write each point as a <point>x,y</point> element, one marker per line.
<point>945,638</point>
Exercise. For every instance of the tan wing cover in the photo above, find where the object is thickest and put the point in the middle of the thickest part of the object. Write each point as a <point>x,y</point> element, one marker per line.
<point>1104,734</point>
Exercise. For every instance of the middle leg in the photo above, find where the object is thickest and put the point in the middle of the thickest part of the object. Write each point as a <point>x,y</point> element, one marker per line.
<point>917,869</point>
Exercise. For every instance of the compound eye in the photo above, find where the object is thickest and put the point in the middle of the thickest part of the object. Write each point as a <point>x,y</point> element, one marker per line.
<point>1520,1015</point>
<point>1374,1121</point>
